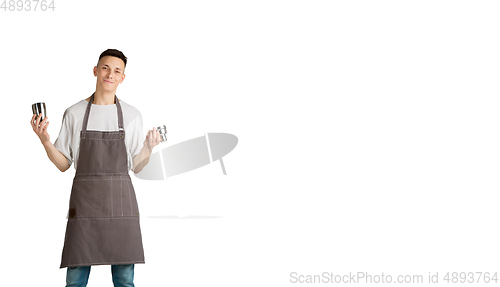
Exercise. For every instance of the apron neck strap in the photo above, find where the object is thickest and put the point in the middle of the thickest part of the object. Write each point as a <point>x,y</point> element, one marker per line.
<point>118,111</point>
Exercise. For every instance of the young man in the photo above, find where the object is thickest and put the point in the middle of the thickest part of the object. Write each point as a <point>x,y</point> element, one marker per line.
<point>103,137</point>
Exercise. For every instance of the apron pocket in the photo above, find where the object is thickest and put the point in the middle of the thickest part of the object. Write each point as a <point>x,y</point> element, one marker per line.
<point>124,200</point>
<point>91,198</point>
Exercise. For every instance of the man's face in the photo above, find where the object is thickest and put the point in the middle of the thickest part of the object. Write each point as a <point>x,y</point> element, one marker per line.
<point>109,72</point>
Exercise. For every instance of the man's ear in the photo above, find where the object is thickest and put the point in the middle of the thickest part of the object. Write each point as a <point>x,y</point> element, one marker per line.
<point>95,71</point>
<point>123,78</point>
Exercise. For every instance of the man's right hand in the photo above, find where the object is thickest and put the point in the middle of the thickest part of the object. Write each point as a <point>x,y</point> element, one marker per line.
<point>55,156</point>
<point>40,128</point>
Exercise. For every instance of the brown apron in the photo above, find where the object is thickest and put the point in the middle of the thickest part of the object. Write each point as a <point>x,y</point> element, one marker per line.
<point>103,223</point>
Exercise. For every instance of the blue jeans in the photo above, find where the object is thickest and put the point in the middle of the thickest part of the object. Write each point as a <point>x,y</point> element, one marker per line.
<point>123,276</point>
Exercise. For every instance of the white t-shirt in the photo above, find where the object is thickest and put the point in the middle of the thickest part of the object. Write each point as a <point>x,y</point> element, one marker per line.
<point>101,118</point>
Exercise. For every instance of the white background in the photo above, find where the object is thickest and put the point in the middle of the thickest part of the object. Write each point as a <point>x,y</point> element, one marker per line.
<point>368,136</point>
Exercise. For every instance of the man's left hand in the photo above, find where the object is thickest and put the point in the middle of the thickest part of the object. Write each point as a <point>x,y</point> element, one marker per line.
<point>153,138</point>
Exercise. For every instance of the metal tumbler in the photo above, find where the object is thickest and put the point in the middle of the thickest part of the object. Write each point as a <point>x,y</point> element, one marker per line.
<point>163,133</point>
<point>39,108</point>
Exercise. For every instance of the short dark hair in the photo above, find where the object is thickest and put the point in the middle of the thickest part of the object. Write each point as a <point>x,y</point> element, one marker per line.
<point>114,53</point>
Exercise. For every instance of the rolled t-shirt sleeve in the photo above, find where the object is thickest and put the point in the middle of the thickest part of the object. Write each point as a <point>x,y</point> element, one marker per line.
<point>63,141</point>
<point>138,136</point>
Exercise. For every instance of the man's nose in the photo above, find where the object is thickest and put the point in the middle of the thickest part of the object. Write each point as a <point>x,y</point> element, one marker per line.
<point>109,75</point>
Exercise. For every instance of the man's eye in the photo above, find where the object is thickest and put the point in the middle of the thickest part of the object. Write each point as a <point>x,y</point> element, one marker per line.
<point>104,68</point>
<point>117,72</point>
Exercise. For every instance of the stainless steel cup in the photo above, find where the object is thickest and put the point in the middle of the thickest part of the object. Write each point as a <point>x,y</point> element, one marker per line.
<point>39,108</point>
<point>163,133</point>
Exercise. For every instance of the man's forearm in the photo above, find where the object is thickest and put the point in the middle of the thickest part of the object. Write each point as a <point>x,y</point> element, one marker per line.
<point>141,159</point>
<point>55,156</point>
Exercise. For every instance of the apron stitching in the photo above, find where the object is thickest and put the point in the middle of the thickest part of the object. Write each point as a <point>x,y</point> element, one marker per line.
<point>130,200</point>
<point>111,174</point>
<point>121,195</point>
<point>81,179</point>
<point>105,218</point>
<point>111,191</point>
<point>104,263</point>
<point>109,139</point>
